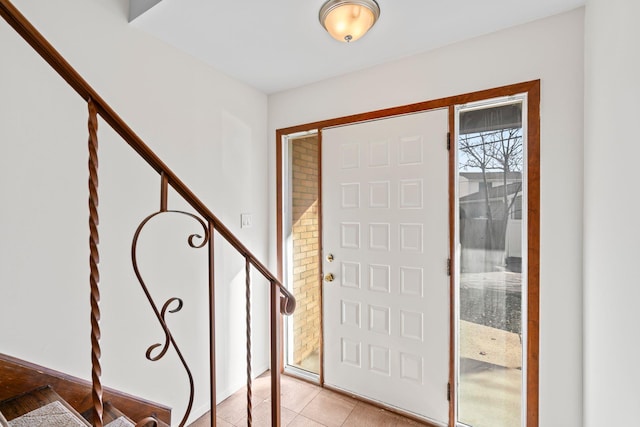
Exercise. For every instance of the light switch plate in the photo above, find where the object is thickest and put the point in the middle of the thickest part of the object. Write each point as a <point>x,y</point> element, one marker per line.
<point>246,221</point>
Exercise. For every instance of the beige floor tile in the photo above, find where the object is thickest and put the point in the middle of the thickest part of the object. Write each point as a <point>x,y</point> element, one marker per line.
<point>233,409</point>
<point>235,406</point>
<point>302,421</point>
<point>205,421</point>
<point>220,423</point>
<point>295,394</point>
<point>261,416</point>
<point>261,387</point>
<point>368,415</point>
<point>341,396</point>
<point>406,422</point>
<point>329,408</point>
<point>304,405</point>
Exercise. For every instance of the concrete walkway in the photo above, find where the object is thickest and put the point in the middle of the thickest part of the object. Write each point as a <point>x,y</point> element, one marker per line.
<point>490,387</point>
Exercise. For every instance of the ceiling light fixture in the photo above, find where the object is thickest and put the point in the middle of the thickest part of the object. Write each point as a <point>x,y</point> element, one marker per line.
<point>348,20</point>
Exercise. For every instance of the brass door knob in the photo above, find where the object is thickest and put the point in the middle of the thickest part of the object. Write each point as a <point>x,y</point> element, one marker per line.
<point>328,278</point>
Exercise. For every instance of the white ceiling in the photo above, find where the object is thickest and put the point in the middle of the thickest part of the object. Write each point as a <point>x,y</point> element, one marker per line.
<point>279,44</point>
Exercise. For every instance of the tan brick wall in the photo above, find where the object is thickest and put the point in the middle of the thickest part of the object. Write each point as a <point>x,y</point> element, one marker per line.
<point>306,244</point>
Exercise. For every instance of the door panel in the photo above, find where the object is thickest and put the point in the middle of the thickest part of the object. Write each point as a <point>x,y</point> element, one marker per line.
<point>386,242</point>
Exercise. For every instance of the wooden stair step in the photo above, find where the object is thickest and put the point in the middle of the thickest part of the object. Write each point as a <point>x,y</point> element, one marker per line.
<point>35,400</point>
<point>19,376</point>
<point>110,414</point>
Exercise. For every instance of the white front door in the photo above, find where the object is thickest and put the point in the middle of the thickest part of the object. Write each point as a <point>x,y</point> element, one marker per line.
<point>386,243</point>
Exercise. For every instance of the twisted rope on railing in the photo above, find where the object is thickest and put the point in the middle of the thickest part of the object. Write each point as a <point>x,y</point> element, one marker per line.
<point>247,270</point>
<point>94,259</point>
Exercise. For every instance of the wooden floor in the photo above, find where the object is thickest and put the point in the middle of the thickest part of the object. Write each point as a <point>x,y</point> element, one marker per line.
<point>303,404</point>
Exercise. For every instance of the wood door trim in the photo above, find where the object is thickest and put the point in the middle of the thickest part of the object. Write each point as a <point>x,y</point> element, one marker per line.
<point>452,387</point>
<point>320,259</point>
<point>532,89</point>
<point>411,108</point>
<point>533,253</point>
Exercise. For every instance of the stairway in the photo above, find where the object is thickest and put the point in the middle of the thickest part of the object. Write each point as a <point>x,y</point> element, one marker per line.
<point>280,300</point>
<point>34,396</point>
<point>43,407</point>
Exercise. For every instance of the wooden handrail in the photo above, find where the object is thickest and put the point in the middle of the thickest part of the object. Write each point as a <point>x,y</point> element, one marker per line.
<point>281,300</point>
<point>32,36</point>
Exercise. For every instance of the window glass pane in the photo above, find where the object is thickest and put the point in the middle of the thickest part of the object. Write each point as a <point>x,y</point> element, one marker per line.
<point>491,158</point>
<point>303,262</point>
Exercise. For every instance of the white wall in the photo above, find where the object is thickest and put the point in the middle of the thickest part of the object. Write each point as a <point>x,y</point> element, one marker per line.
<point>550,50</point>
<point>612,286</point>
<point>209,128</point>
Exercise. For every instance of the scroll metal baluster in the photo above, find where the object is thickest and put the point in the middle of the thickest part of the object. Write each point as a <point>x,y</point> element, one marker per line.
<point>176,302</point>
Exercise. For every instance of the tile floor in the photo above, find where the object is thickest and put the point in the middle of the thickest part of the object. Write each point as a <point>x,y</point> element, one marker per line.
<point>303,405</point>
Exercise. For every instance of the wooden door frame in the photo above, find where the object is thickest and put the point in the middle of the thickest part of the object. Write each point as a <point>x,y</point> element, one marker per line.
<point>532,89</point>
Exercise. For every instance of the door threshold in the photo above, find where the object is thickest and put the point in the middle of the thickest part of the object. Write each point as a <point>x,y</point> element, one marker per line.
<point>302,375</point>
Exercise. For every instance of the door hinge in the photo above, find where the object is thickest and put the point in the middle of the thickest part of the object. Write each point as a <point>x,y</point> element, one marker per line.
<point>449,267</point>
<point>449,392</point>
<point>448,140</point>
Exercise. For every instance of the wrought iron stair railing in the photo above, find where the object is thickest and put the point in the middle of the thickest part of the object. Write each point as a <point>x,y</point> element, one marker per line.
<point>282,302</point>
